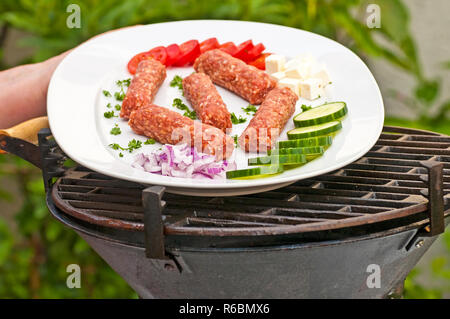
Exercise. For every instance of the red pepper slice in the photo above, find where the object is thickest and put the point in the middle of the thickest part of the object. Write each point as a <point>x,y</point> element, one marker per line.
<point>209,44</point>
<point>243,49</point>
<point>134,62</point>
<point>229,47</point>
<point>190,51</point>
<point>255,52</point>
<point>173,52</point>
<point>260,62</point>
<point>159,53</point>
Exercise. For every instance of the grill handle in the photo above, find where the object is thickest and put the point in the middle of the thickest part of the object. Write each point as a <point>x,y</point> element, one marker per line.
<point>22,140</point>
<point>27,130</point>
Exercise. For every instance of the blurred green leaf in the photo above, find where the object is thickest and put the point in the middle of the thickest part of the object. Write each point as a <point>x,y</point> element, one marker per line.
<point>413,290</point>
<point>69,163</point>
<point>52,232</point>
<point>427,91</point>
<point>6,196</point>
<point>6,242</point>
<point>395,26</point>
<point>444,110</point>
<point>41,248</point>
<point>358,32</point>
<point>394,19</point>
<point>438,264</point>
<point>447,239</point>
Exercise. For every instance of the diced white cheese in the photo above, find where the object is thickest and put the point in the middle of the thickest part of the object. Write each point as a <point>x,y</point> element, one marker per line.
<point>311,89</point>
<point>292,64</point>
<point>293,84</point>
<point>275,63</point>
<point>301,71</point>
<point>278,75</point>
<point>306,57</point>
<point>321,73</point>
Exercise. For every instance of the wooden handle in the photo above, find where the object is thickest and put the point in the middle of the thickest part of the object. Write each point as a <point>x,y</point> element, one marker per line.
<point>28,130</point>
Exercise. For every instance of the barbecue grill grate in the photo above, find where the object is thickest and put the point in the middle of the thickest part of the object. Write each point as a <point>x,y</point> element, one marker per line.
<point>388,184</point>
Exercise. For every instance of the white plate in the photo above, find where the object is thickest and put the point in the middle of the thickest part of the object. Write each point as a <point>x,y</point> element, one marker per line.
<point>76,103</point>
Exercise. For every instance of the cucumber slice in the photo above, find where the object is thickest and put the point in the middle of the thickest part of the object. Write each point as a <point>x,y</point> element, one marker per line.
<point>316,130</point>
<point>290,159</point>
<point>324,141</point>
<point>296,150</point>
<point>322,114</point>
<point>288,167</point>
<point>255,172</point>
<point>310,152</point>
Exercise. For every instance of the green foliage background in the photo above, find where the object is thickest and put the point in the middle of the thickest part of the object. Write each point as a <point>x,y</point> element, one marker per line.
<point>33,259</point>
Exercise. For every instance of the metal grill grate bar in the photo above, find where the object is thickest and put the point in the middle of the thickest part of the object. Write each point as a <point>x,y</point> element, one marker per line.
<point>414,144</point>
<point>93,197</point>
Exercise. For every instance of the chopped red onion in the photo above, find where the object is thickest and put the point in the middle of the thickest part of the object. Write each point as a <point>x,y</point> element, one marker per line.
<point>182,161</point>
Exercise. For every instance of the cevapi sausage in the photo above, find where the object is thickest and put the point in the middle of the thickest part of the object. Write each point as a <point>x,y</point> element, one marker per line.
<point>235,75</point>
<point>199,90</point>
<point>269,120</point>
<point>169,127</point>
<point>150,74</point>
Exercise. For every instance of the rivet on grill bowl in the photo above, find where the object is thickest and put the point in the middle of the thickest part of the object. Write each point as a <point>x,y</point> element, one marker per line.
<point>419,243</point>
<point>169,267</point>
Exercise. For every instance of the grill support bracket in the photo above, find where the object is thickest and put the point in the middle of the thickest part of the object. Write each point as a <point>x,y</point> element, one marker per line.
<point>435,194</point>
<point>50,161</point>
<point>154,229</point>
<point>153,223</point>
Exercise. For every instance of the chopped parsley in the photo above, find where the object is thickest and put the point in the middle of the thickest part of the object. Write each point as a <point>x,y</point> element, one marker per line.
<point>235,138</point>
<point>183,107</point>
<point>115,130</point>
<point>250,109</point>
<point>116,146</point>
<point>122,83</point>
<point>118,107</point>
<point>119,95</point>
<point>120,154</point>
<point>177,81</point>
<point>149,141</point>
<point>306,107</point>
<point>132,145</point>
<point>191,114</point>
<point>109,114</point>
<point>179,104</point>
<point>236,120</point>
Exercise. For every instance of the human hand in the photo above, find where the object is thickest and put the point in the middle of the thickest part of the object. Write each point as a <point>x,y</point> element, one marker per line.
<point>23,91</point>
